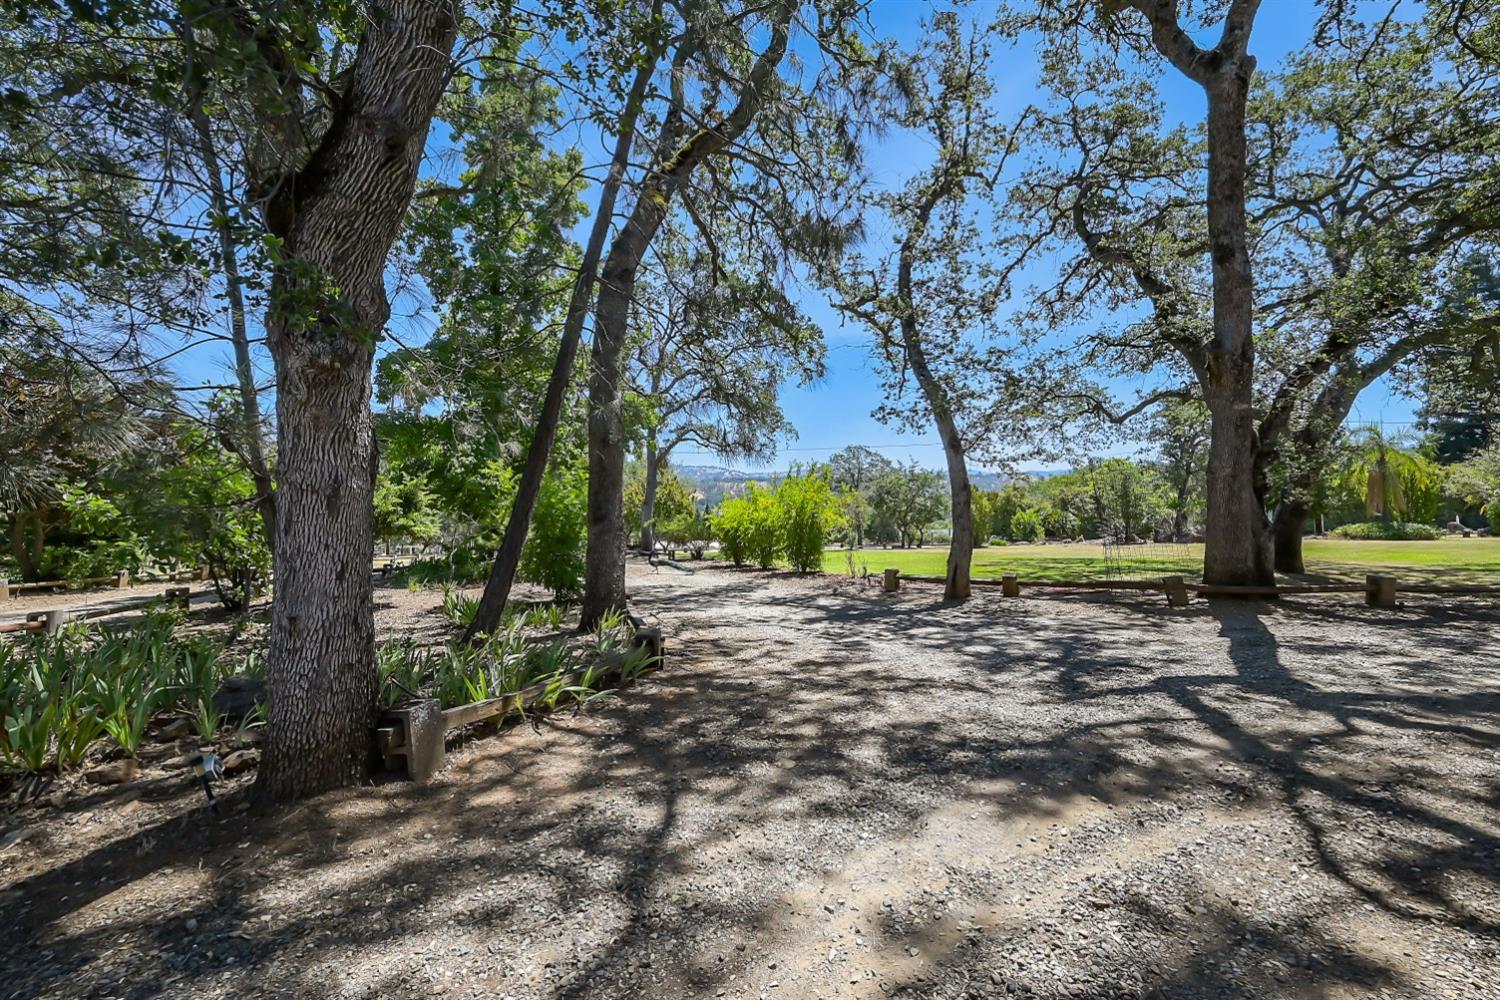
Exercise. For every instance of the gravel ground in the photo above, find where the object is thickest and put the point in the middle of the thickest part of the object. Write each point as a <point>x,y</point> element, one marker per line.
<point>832,791</point>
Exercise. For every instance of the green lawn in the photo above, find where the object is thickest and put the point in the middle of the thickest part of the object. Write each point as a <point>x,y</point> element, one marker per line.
<point>1458,560</point>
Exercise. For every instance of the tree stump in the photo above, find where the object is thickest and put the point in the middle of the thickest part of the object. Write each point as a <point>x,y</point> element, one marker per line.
<point>1380,590</point>
<point>892,580</point>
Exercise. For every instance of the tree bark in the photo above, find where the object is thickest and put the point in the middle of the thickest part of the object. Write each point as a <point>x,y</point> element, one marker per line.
<point>604,565</point>
<point>508,556</point>
<point>956,585</point>
<point>28,552</point>
<point>1237,546</point>
<point>648,502</point>
<point>1288,527</point>
<point>337,218</point>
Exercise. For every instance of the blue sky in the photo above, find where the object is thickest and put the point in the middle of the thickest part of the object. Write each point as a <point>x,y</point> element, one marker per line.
<point>835,412</point>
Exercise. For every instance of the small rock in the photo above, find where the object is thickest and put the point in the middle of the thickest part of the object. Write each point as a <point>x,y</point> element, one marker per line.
<point>240,761</point>
<point>191,923</point>
<point>116,772</point>
<point>177,728</point>
<point>15,837</point>
<point>239,695</point>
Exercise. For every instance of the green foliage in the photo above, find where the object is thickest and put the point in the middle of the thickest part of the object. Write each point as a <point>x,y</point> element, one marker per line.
<point>463,565</point>
<point>459,608</point>
<point>1129,498</point>
<point>793,522</point>
<point>59,694</point>
<point>1026,526</point>
<point>731,525</point>
<point>907,500</point>
<point>673,499</point>
<point>1006,503</point>
<point>194,503</point>
<point>504,663</point>
<point>750,527</point>
<point>554,552</point>
<point>1476,483</point>
<point>404,510</point>
<point>808,510</point>
<point>1395,483</point>
<point>1387,531</point>
<point>982,505</point>
<point>690,530</point>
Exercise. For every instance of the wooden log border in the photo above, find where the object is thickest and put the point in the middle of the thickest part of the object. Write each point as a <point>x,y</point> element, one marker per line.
<point>391,739</point>
<point>1371,587</point>
<point>38,620</point>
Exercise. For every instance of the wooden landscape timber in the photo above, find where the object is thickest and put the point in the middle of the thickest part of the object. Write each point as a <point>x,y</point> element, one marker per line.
<point>121,580</point>
<point>1380,589</point>
<point>412,737</point>
<point>51,621</point>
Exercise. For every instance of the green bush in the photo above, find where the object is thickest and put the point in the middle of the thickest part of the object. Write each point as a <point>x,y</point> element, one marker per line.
<point>1387,531</point>
<point>1026,526</point>
<point>807,510</point>
<point>1059,523</point>
<point>687,530</point>
<point>461,566</point>
<point>554,552</point>
<point>749,527</point>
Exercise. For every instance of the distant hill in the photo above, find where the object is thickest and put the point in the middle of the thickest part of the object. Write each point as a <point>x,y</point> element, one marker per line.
<point>713,483</point>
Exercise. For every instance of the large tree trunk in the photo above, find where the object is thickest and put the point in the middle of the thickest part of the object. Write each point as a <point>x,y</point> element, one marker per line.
<point>28,551</point>
<point>961,546</point>
<point>1288,527</point>
<point>508,556</point>
<point>337,219</point>
<point>648,501</point>
<point>1237,549</point>
<point>1238,537</point>
<point>956,585</point>
<point>1238,542</point>
<point>604,565</point>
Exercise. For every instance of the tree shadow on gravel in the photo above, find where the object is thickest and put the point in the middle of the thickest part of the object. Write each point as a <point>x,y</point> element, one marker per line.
<point>632,850</point>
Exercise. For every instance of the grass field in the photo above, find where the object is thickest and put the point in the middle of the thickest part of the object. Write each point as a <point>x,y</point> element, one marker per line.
<point>1456,560</point>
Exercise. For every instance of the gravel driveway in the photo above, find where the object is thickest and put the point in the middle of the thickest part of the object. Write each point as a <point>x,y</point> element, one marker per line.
<point>832,791</point>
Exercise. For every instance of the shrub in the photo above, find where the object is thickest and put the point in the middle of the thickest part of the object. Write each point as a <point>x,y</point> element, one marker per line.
<point>459,608</point>
<point>731,526</point>
<point>1059,523</point>
<point>1026,526</point>
<point>1387,531</point>
<point>688,530</point>
<point>463,565</point>
<point>749,527</point>
<point>807,510</point>
<point>553,556</point>
<point>766,538</point>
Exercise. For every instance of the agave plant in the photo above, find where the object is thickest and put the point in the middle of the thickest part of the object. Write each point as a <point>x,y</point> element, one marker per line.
<point>458,607</point>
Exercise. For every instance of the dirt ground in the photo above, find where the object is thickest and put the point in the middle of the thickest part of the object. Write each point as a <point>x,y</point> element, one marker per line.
<point>834,792</point>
